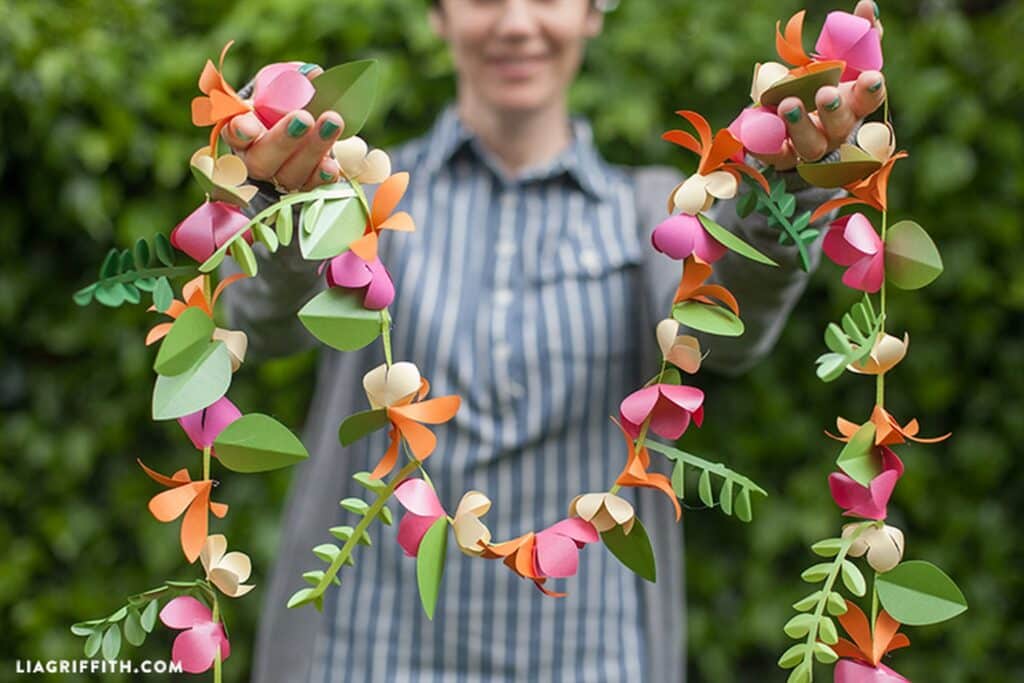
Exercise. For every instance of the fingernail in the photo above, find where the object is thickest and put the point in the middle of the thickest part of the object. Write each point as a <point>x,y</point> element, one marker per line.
<point>793,115</point>
<point>241,135</point>
<point>327,129</point>
<point>324,175</point>
<point>876,86</point>
<point>297,127</point>
<point>877,11</point>
<point>308,66</point>
<point>834,104</point>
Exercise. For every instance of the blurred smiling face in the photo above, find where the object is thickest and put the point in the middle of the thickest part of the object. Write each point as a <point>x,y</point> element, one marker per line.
<point>516,55</point>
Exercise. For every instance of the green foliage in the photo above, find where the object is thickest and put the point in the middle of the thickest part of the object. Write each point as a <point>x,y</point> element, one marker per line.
<point>94,107</point>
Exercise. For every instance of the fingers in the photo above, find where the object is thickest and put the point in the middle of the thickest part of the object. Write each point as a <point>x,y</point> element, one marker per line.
<point>806,136</point>
<point>310,70</point>
<point>266,155</point>
<point>867,94</point>
<point>316,142</point>
<point>836,116</point>
<point>328,171</point>
<point>243,131</point>
<point>866,9</point>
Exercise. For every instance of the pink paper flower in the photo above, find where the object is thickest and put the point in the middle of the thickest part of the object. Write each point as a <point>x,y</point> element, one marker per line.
<point>204,426</point>
<point>852,39</point>
<point>852,241</point>
<point>670,407</point>
<point>349,270</point>
<point>423,509</point>
<point>871,501</point>
<point>556,552</point>
<point>280,89</point>
<point>195,647</point>
<point>681,235</point>
<point>853,671</point>
<point>207,228</point>
<point>760,130</point>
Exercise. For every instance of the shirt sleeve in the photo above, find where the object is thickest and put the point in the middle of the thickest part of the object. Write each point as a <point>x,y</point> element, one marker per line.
<point>766,295</point>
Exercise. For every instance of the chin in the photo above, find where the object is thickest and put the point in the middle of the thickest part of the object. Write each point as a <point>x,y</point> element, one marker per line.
<point>519,97</point>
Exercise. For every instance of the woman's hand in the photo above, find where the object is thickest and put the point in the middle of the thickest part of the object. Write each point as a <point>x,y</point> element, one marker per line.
<point>294,153</point>
<point>839,110</point>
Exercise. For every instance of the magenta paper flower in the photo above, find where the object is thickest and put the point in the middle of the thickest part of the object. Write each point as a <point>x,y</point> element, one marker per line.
<point>349,270</point>
<point>195,647</point>
<point>681,235</point>
<point>203,426</point>
<point>760,130</point>
<point>670,407</point>
<point>557,548</point>
<point>852,671</point>
<point>422,510</point>
<point>280,89</point>
<point>207,228</point>
<point>852,39</point>
<point>871,501</point>
<point>852,241</point>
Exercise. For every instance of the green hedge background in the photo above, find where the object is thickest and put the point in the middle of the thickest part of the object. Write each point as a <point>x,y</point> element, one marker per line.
<point>96,136</point>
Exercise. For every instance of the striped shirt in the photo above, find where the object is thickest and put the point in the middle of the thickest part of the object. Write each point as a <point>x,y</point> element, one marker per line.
<point>534,299</point>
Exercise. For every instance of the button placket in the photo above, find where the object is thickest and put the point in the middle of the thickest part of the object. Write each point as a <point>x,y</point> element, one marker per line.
<point>504,297</point>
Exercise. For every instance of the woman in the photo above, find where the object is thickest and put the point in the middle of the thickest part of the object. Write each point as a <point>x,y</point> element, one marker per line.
<point>530,290</point>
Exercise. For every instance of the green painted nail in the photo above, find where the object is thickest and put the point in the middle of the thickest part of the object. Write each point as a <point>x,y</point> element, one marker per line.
<point>324,175</point>
<point>834,104</point>
<point>307,67</point>
<point>877,11</point>
<point>297,127</point>
<point>793,115</point>
<point>241,135</point>
<point>875,87</point>
<point>327,129</point>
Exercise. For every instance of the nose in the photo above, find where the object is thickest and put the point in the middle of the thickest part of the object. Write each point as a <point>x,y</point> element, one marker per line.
<point>517,19</point>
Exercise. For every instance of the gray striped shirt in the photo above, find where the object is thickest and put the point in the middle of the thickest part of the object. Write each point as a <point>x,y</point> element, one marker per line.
<point>534,299</point>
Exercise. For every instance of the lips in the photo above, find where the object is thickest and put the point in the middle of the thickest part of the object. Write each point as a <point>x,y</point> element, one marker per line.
<point>515,68</point>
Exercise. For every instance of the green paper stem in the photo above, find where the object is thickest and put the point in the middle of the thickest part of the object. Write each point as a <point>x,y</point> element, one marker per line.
<point>874,602</point>
<point>360,529</point>
<point>786,225</point>
<point>880,378</point>
<point>206,465</point>
<point>162,271</point>
<point>385,333</point>
<point>641,438</point>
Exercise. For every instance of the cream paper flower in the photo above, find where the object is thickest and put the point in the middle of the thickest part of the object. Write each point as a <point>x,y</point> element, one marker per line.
<point>604,510</point>
<point>225,571</point>
<point>236,343</point>
<point>885,354</point>
<point>224,178</point>
<point>698,192</point>
<point>471,534</point>
<point>387,387</point>
<point>884,546</point>
<point>358,164</point>
<point>683,351</point>
<point>877,139</point>
<point>766,75</point>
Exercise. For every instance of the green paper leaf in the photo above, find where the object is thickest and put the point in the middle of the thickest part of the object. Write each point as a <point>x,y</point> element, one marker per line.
<point>356,506</point>
<point>185,343</point>
<point>112,642</point>
<point>85,628</point>
<point>309,213</point>
<point>164,250</point>
<point>385,515</point>
<point>141,255</point>
<point>284,226</point>
<point>745,204</point>
<point>83,297</point>
<point>163,295</point>
<point>725,497</point>
<point>853,579</point>
<point>336,317</point>
<point>708,318</point>
<point>633,549</point>
<point>133,631</point>
<point>335,226</point>
<point>792,656</point>
<point>120,614</point>
<point>858,458</point>
<point>258,443</point>
<point>358,425</point>
<point>704,489</point>
<point>800,625</point>
<point>196,388</point>
<point>829,547</point>
<point>149,615</point>
<point>430,564</point>
<point>266,235</point>
<point>801,674</point>
<point>244,256</point>
<point>816,573</point>
<point>93,643</point>
<point>131,293</point>
<point>349,89</point>
<point>679,480</point>
<point>732,242</point>
<point>313,577</point>
<point>109,294</point>
<point>366,481</point>
<point>911,258</point>
<point>301,597</point>
<point>110,265</point>
<point>827,631</point>
<point>824,653</point>
<point>835,604</point>
<point>327,552</point>
<point>806,604</point>
<point>744,513</point>
<point>918,593</point>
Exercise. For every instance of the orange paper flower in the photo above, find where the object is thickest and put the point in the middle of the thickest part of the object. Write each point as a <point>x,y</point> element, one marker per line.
<point>189,497</point>
<point>869,645</point>
<point>692,287</point>
<point>196,294</point>
<point>407,418</point>
<point>385,200</point>
<point>219,102</point>
<point>716,153</point>
<point>887,430</point>
<point>635,472</point>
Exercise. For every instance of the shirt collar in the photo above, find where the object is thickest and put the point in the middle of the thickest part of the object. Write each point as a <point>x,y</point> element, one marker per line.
<point>581,161</point>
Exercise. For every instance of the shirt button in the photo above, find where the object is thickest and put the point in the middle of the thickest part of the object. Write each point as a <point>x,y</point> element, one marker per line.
<point>502,297</point>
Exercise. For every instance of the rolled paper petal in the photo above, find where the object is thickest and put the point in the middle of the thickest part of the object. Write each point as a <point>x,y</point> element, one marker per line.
<point>196,648</point>
<point>411,530</point>
<point>691,196</point>
<point>381,290</point>
<point>207,228</point>
<point>682,235</point>
<point>853,671</point>
<point>184,612</point>
<point>635,408</point>
<point>666,333</point>
<point>280,89</point>
<point>350,271</point>
<point>556,556</point>
<point>416,496</point>
<point>386,386</point>
<point>760,130</point>
<point>377,167</point>
<point>877,139</point>
<point>868,502</point>
<point>580,531</point>
<point>765,76</point>
<point>204,426</point>
<point>852,39</point>
<point>867,274</point>
<point>350,154</point>
<point>852,241</point>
